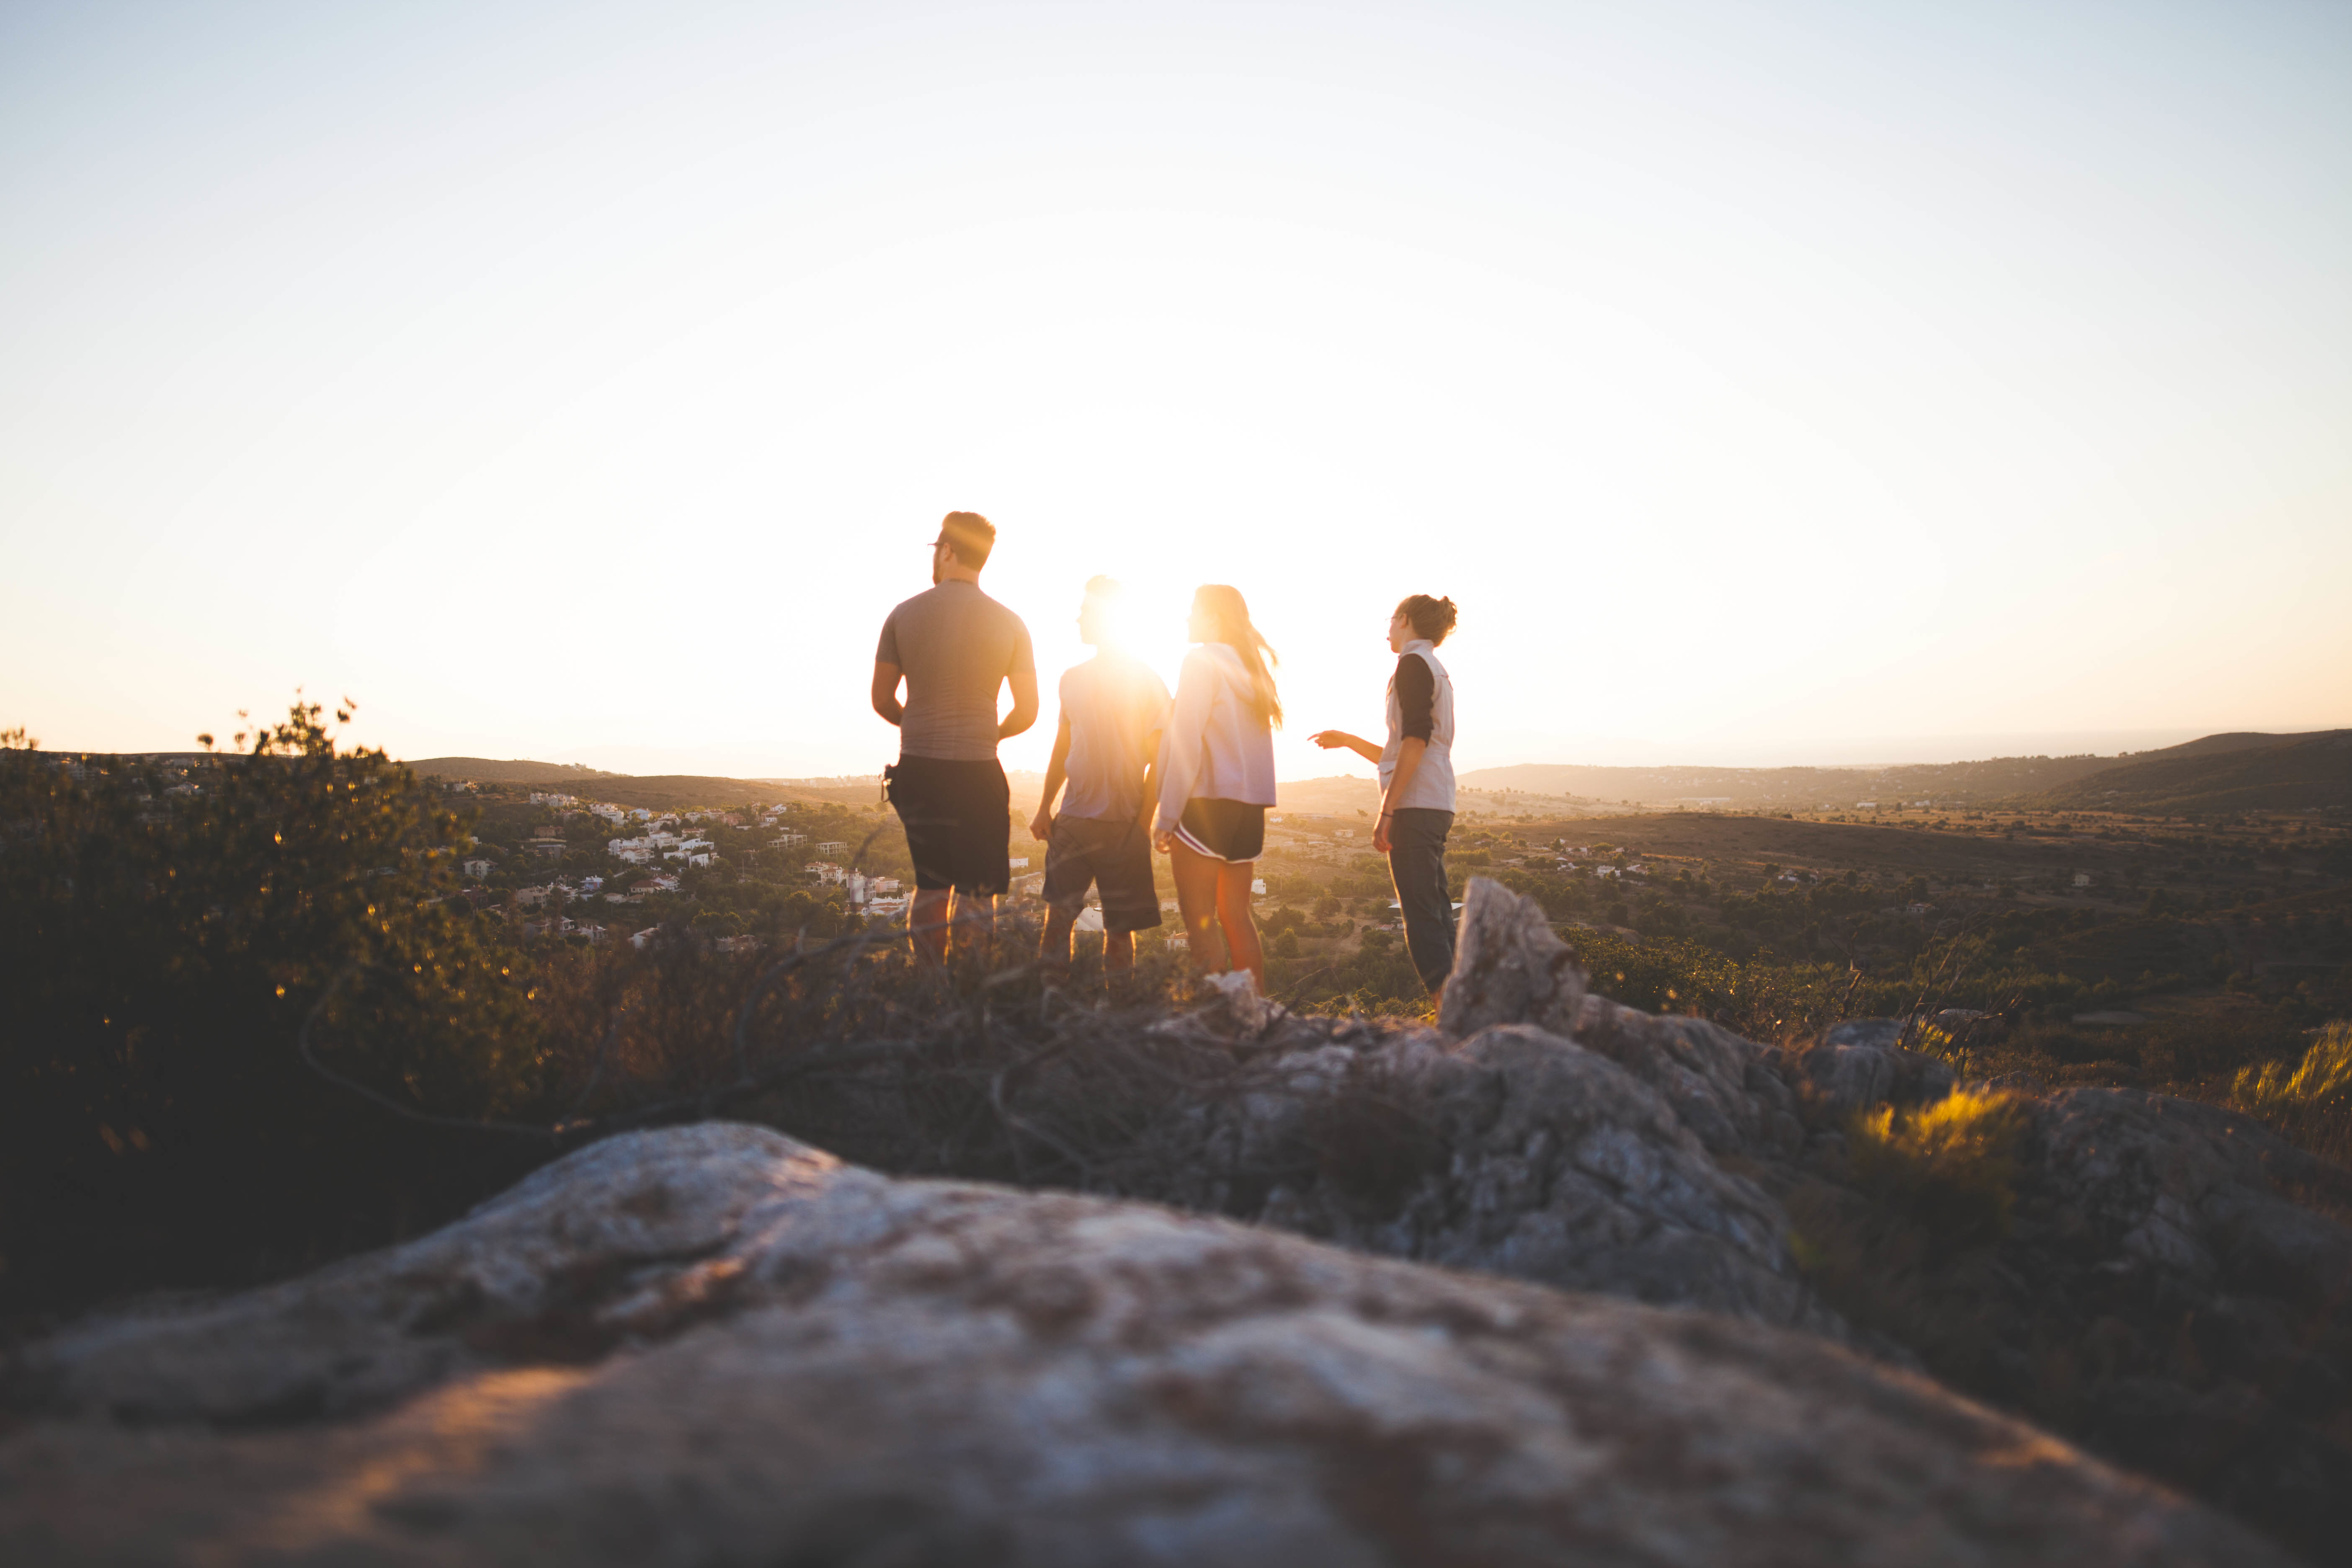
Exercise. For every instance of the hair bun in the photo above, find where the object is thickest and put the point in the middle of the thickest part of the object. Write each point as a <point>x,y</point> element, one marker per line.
<point>1432,619</point>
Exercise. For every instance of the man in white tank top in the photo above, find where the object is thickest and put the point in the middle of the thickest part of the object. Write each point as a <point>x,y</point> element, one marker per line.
<point>1416,782</point>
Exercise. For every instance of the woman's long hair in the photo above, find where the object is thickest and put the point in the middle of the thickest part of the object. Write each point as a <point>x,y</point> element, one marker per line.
<point>1229,622</point>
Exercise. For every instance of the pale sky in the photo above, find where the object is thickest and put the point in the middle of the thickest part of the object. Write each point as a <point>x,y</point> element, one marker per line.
<point>1767,383</point>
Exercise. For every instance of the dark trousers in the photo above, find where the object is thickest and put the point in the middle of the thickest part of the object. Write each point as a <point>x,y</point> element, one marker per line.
<point>1417,862</point>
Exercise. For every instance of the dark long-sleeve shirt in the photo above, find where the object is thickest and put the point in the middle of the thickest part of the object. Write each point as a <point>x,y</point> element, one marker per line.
<point>1416,690</point>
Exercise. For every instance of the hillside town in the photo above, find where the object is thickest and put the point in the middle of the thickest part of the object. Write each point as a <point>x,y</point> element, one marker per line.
<point>556,866</point>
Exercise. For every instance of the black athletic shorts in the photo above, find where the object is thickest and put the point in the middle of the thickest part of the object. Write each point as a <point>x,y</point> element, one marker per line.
<point>959,821</point>
<point>1223,829</point>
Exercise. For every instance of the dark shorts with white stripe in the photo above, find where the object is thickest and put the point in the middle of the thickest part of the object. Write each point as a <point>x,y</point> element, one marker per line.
<point>1223,829</point>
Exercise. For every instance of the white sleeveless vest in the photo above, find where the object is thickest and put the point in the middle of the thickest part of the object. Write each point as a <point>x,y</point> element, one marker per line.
<point>1431,788</point>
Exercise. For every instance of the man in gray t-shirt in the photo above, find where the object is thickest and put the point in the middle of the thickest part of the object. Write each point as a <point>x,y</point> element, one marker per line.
<point>955,649</point>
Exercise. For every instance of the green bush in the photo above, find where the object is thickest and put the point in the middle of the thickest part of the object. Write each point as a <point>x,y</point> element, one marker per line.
<point>162,942</point>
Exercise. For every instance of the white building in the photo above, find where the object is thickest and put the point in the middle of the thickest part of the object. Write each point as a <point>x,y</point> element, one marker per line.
<point>478,869</point>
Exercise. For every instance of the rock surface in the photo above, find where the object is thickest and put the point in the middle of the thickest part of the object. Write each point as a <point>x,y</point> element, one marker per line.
<point>2168,1294</point>
<point>1508,968</point>
<point>1551,1162</point>
<point>713,1345</point>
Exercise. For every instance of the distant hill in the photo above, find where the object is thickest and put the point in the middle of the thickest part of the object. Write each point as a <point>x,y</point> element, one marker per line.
<point>483,770</point>
<point>2223,772</point>
<point>1799,789</point>
<point>1337,795</point>
<point>656,792</point>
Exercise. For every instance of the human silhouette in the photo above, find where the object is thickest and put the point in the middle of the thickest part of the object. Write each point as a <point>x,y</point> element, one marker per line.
<point>1216,779</point>
<point>955,649</point>
<point>1416,782</point>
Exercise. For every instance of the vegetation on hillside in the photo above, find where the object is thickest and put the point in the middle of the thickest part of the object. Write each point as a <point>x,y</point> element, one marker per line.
<point>2265,772</point>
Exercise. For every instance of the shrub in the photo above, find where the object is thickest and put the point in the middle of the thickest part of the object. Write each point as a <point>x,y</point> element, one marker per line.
<point>1949,1167</point>
<point>161,944</point>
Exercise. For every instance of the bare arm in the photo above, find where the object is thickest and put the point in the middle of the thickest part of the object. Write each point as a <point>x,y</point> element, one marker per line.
<point>885,691</point>
<point>1340,740</point>
<point>1181,745</point>
<point>1410,752</point>
<point>1150,775</point>
<point>1024,704</point>
<point>1041,827</point>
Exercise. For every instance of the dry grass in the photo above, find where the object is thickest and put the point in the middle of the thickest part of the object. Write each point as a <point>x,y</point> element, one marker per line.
<point>2309,1104</point>
<point>1950,1167</point>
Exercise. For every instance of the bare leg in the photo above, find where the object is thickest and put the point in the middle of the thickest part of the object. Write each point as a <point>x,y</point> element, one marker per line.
<point>1119,952</point>
<point>927,923</point>
<point>976,927</point>
<point>1242,946</point>
<point>1053,945</point>
<point>1196,906</point>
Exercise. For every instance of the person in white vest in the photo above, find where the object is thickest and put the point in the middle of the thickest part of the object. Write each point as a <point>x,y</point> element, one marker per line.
<point>1416,782</point>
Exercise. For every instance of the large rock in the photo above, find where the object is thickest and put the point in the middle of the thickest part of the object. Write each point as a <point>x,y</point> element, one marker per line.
<point>2192,1197</point>
<point>1508,967</point>
<point>2173,1291</point>
<point>713,1345</point>
<point>1530,1156</point>
<point>1856,1066</point>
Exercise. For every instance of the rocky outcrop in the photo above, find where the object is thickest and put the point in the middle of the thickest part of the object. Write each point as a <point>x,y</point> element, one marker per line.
<point>1508,968</point>
<point>714,1345</point>
<point>2173,1290</point>
<point>1547,1162</point>
<point>1858,1065</point>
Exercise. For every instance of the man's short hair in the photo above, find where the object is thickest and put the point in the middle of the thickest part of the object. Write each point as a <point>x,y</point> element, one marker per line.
<point>1104,588</point>
<point>971,536</point>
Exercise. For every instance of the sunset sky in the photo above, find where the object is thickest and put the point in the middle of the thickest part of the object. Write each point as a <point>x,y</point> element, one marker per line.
<point>1767,383</point>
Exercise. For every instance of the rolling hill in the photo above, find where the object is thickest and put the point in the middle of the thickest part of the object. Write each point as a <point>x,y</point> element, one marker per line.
<point>2223,772</point>
<point>516,771</point>
<point>1794,789</point>
<point>656,792</point>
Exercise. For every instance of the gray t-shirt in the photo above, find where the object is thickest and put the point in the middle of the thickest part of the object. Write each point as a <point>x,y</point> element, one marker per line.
<point>1113,704</point>
<point>956,646</point>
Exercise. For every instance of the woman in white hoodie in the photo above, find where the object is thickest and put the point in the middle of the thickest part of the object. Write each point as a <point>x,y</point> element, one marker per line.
<point>1216,779</point>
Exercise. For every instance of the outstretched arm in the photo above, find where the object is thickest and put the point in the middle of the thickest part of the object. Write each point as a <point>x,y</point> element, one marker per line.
<point>885,691</point>
<point>1340,740</point>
